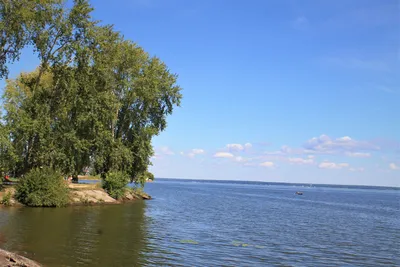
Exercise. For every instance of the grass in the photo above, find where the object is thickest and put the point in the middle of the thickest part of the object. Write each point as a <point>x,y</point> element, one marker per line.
<point>6,200</point>
<point>89,177</point>
<point>95,186</point>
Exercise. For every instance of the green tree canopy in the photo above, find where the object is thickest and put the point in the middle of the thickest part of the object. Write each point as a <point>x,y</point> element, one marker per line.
<point>95,100</point>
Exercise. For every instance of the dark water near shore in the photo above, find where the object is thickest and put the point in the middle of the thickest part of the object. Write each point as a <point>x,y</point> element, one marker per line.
<point>191,223</point>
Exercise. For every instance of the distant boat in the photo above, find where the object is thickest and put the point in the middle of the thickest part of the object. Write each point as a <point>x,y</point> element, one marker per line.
<point>299,193</point>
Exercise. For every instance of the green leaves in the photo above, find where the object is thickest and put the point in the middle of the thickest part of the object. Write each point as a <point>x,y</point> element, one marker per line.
<point>115,184</point>
<point>96,99</point>
<point>42,188</point>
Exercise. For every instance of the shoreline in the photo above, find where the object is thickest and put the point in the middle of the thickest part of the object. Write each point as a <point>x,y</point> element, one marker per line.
<point>79,195</point>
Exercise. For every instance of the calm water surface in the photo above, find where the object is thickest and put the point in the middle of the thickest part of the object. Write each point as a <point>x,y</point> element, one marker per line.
<point>192,223</point>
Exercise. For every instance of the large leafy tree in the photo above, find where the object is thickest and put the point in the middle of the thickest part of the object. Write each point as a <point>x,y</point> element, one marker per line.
<point>96,99</point>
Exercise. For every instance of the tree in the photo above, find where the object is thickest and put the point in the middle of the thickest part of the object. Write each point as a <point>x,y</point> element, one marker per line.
<point>100,107</point>
<point>7,155</point>
<point>19,19</point>
<point>47,25</point>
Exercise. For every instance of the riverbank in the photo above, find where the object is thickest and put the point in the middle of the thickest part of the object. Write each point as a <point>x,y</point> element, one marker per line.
<point>80,194</point>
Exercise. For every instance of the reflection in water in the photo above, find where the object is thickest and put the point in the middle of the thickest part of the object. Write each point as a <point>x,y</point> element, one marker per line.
<point>113,235</point>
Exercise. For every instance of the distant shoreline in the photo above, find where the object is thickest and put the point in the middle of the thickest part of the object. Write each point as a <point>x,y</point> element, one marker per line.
<point>285,183</point>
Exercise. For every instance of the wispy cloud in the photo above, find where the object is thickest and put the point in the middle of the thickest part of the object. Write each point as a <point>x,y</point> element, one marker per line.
<point>301,161</point>
<point>356,169</point>
<point>393,166</point>
<point>267,164</point>
<point>381,13</point>
<point>386,89</point>
<point>332,165</point>
<point>223,155</point>
<point>357,63</point>
<point>143,3</point>
<point>308,154</point>
<point>238,147</point>
<point>242,159</point>
<point>300,23</point>
<point>165,151</point>
<point>195,151</point>
<point>327,145</point>
<point>358,154</point>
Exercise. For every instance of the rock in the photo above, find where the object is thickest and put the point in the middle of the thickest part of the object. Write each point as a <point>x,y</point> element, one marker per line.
<point>146,196</point>
<point>133,195</point>
<point>129,196</point>
<point>91,196</point>
<point>11,259</point>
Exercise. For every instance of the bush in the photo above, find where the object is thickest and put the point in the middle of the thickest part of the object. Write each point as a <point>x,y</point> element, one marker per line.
<point>6,201</point>
<point>42,188</point>
<point>115,184</point>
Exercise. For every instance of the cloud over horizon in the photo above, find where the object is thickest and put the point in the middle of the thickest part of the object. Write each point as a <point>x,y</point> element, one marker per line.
<point>317,153</point>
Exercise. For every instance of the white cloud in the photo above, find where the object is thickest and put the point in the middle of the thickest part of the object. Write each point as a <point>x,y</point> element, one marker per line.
<point>326,145</point>
<point>286,150</point>
<point>345,139</point>
<point>393,166</point>
<point>155,156</point>
<point>268,164</point>
<point>239,159</point>
<point>166,151</point>
<point>332,165</point>
<point>301,161</point>
<point>223,155</point>
<point>242,159</point>
<point>235,147</point>
<point>356,169</point>
<point>248,145</point>
<point>238,147</point>
<point>195,151</point>
<point>358,154</point>
<point>198,151</point>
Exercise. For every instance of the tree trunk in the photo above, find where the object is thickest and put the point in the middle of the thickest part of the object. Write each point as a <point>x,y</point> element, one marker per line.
<point>75,178</point>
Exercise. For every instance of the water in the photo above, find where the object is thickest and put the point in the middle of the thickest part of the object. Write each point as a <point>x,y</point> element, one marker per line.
<point>192,223</point>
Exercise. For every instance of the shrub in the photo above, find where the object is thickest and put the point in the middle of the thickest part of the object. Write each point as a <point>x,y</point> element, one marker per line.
<point>115,184</point>
<point>6,201</point>
<point>42,188</point>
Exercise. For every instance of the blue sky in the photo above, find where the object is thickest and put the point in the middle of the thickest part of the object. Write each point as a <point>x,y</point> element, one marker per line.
<point>288,91</point>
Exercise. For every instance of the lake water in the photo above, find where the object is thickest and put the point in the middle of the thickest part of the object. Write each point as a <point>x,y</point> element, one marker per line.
<point>193,223</point>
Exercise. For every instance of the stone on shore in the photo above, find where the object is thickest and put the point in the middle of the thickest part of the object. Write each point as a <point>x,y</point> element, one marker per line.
<point>11,259</point>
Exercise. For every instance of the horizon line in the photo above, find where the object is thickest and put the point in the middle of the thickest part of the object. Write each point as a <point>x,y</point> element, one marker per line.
<point>299,183</point>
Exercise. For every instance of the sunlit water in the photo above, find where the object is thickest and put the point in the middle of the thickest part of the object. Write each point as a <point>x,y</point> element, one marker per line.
<point>192,223</point>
